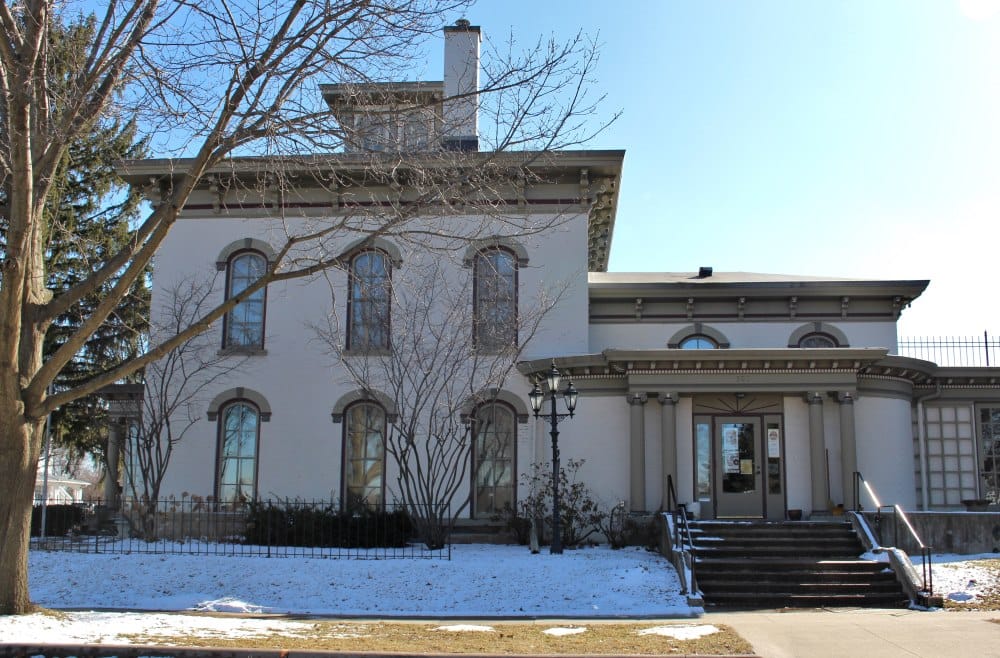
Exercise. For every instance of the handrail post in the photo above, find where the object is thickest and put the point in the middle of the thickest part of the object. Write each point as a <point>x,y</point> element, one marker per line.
<point>857,492</point>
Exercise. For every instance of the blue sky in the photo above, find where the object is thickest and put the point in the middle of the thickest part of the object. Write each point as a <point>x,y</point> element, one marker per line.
<point>856,138</point>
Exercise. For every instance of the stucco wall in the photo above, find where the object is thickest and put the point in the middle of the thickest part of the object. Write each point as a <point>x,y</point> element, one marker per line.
<point>300,447</point>
<point>797,474</point>
<point>885,449</point>
<point>650,334</point>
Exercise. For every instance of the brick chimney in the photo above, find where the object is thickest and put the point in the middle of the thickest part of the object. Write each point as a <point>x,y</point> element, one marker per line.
<point>461,82</point>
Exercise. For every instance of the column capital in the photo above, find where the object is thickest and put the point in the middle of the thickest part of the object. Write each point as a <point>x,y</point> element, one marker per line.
<point>814,397</point>
<point>636,398</point>
<point>845,397</point>
<point>665,397</point>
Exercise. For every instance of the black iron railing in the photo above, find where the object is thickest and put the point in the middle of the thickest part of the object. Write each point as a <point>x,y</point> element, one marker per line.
<point>271,528</point>
<point>953,351</point>
<point>682,543</point>
<point>927,573</point>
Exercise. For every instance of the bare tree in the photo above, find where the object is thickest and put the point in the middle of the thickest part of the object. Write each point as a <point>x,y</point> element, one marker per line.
<point>440,363</point>
<point>175,390</point>
<point>207,81</point>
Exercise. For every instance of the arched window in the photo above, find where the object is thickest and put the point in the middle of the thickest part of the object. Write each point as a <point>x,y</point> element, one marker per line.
<point>495,299</point>
<point>494,459</point>
<point>364,455</point>
<point>698,342</point>
<point>236,471</point>
<point>369,301</point>
<point>244,324</point>
<point>817,340</point>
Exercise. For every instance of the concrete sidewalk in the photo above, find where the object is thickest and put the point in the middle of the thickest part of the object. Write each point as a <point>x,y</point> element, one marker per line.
<point>865,633</point>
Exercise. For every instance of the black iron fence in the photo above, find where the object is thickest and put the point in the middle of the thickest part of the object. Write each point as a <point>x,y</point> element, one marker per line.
<point>195,526</point>
<point>953,351</point>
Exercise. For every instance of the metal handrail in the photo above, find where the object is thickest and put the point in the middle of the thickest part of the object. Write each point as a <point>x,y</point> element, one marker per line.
<point>682,542</point>
<point>927,572</point>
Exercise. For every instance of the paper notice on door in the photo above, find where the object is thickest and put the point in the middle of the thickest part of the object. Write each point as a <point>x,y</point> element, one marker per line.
<point>730,450</point>
<point>746,467</point>
<point>773,444</point>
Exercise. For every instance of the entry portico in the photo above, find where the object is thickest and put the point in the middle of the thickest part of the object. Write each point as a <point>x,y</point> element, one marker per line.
<point>750,433</point>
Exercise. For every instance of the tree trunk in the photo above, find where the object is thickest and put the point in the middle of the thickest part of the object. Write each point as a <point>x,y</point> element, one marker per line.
<point>18,463</point>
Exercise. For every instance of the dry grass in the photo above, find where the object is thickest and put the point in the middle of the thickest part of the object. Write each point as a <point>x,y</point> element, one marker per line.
<point>504,638</point>
<point>990,597</point>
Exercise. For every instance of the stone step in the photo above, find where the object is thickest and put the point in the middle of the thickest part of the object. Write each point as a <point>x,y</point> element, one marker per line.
<point>796,600</point>
<point>789,564</point>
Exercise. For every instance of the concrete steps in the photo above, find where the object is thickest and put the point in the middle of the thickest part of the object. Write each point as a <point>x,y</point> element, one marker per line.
<point>789,564</point>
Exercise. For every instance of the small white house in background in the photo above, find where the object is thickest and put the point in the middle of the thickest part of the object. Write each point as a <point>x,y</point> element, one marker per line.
<point>67,483</point>
<point>751,394</point>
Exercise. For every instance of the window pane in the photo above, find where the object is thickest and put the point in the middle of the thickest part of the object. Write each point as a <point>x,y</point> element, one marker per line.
<point>496,436</point>
<point>237,456</point>
<point>495,301</point>
<point>245,322</point>
<point>364,454</point>
<point>817,340</point>
<point>370,280</point>
<point>698,342</point>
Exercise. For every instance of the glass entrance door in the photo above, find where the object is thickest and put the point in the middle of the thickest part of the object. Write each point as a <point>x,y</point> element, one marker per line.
<point>739,468</point>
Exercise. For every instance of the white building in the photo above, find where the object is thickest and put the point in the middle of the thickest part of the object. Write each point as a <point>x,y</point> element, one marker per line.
<point>752,394</point>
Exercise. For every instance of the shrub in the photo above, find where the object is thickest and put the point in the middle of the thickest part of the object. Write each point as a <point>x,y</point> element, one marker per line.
<point>59,519</point>
<point>579,514</point>
<point>298,524</point>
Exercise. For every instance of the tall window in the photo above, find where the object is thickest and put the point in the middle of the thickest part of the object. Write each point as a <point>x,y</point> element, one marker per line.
<point>989,446</point>
<point>244,325</point>
<point>364,455</point>
<point>495,299</point>
<point>369,301</point>
<point>496,438</point>
<point>236,479</point>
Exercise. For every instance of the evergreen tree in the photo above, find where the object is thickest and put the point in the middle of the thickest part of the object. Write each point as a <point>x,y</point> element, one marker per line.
<point>90,216</point>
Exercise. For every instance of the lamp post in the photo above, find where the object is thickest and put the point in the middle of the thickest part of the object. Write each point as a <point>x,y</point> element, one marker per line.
<point>537,398</point>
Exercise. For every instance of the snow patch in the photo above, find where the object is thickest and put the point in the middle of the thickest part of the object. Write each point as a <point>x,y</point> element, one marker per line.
<point>465,628</point>
<point>229,604</point>
<point>559,632</point>
<point>681,632</point>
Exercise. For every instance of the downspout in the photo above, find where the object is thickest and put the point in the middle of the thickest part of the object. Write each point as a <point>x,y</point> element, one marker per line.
<point>925,495</point>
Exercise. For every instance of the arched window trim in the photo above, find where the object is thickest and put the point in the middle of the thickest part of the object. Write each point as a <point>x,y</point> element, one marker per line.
<point>698,329</point>
<point>352,303</point>
<point>838,336</point>
<point>345,457</point>
<point>496,242</point>
<point>368,244</point>
<point>244,244</point>
<point>360,395</point>
<point>239,393</point>
<point>477,277</point>
<point>474,456</point>
<point>227,346</point>
<point>220,425</point>
<point>486,396</point>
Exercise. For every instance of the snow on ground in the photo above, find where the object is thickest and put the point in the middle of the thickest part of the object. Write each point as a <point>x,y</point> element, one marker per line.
<point>479,581</point>
<point>962,578</point>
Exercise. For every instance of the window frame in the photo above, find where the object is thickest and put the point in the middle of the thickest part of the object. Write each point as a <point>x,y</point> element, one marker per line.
<point>220,443</point>
<point>479,339</point>
<point>228,343</point>
<point>699,337</point>
<point>987,479</point>
<point>353,304</point>
<point>346,457</point>
<point>475,456</point>
<point>834,343</point>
